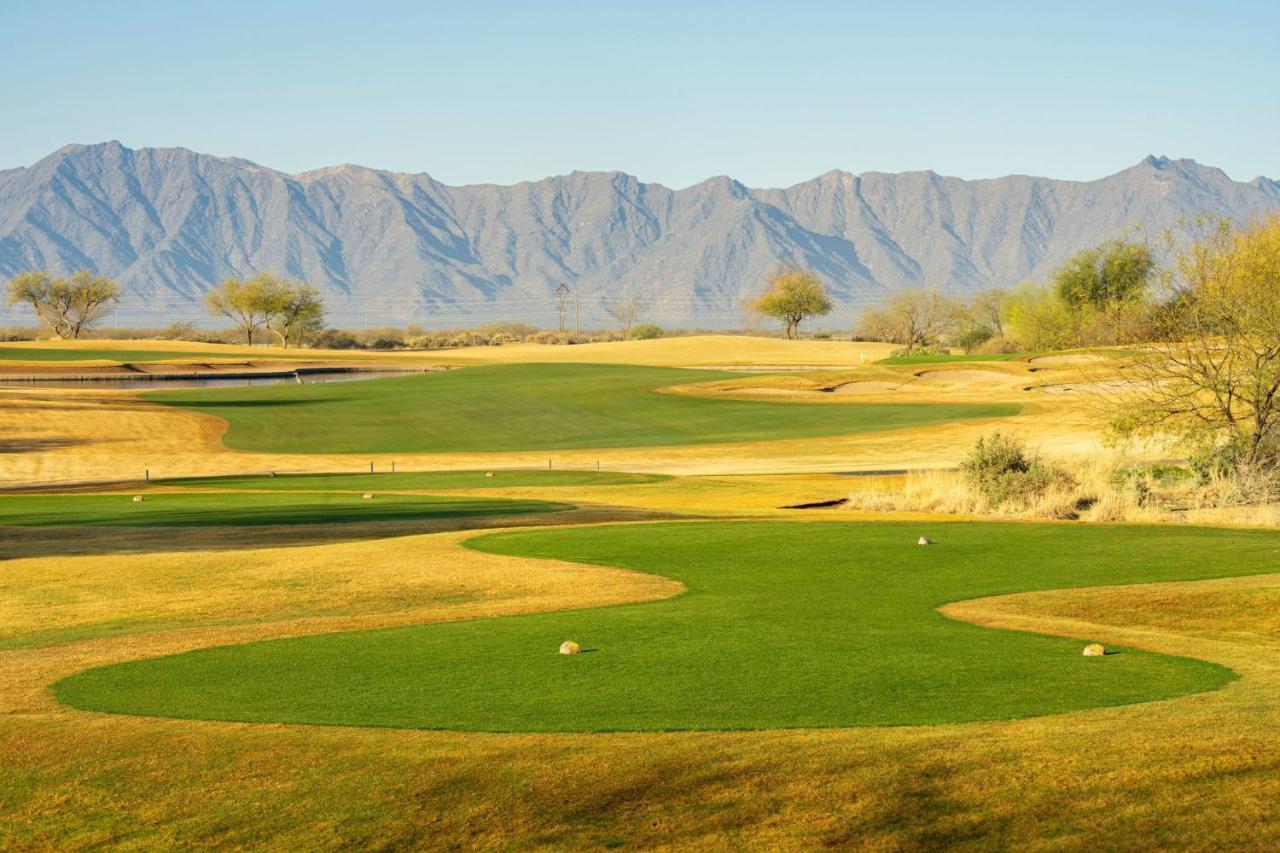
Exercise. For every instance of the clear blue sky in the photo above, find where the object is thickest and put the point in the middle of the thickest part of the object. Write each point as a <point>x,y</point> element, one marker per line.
<point>770,93</point>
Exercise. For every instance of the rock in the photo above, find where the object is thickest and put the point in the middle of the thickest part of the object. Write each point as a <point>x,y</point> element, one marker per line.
<point>1094,650</point>
<point>137,499</point>
<point>569,647</point>
<point>488,473</point>
<point>368,496</point>
<point>924,540</point>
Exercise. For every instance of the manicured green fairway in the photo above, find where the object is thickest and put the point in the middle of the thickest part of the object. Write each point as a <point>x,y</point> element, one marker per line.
<point>419,480</point>
<point>784,624</point>
<point>530,407</point>
<point>204,510</point>
<point>121,355</point>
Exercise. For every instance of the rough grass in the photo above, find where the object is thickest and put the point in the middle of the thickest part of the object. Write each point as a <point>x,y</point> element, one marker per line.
<point>784,625</point>
<point>194,509</point>
<point>527,407</point>
<point>417,480</point>
<point>1196,773</point>
<point>936,358</point>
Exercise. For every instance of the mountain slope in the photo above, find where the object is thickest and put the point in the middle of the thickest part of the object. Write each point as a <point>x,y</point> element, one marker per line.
<point>170,223</point>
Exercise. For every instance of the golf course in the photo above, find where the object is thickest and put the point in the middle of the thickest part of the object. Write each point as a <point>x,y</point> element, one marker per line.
<point>247,590</point>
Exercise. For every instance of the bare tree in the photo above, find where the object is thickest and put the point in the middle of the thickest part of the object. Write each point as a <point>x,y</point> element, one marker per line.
<point>914,318</point>
<point>625,309</point>
<point>69,306</point>
<point>1213,381</point>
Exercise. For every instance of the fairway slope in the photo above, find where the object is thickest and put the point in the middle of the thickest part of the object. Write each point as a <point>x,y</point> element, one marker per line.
<point>533,407</point>
<point>784,625</point>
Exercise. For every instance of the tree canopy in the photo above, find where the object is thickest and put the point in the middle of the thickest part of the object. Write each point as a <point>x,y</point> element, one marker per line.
<point>69,306</point>
<point>917,317</point>
<point>792,296</point>
<point>292,310</point>
<point>1107,275</point>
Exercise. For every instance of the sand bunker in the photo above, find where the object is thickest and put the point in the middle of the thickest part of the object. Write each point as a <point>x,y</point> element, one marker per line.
<point>1067,360</point>
<point>869,386</point>
<point>968,376</point>
<point>1100,387</point>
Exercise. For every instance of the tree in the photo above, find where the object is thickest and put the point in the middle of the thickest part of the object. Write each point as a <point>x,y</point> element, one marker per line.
<point>624,308</point>
<point>917,317</point>
<point>985,310</point>
<point>69,306</point>
<point>249,303</point>
<point>792,296</point>
<point>1105,276</point>
<point>1212,383</point>
<point>1037,319</point>
<point>298,315</point>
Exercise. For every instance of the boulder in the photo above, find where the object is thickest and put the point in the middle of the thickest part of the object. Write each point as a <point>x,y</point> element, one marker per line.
<point>924,540</point>
<point>368,496</point>
<point>488,473</point>
<point>137,499</point>
<point>1094,650</point>
<point>569,647</point>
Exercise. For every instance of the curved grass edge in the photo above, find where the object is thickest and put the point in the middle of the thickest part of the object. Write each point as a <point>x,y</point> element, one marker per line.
<point>1225,674</point>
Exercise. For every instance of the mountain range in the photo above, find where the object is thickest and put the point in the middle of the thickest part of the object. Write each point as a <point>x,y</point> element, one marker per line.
<point>386,247</point>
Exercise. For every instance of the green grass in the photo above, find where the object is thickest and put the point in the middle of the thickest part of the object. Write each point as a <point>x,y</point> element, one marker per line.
<point>531,407</point>
<point>940,359</point>
<point>120,355</point>
<point>418,480</point>
<point>262,508</point>
<point>784,624</point>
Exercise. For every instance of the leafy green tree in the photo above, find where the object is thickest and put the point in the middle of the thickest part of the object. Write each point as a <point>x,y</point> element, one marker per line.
<point>1037,319</point>
<point>69,306</point>
<point>792,296</point>
<point>1105,276</point>
<point>298,314</point>
<point>248,303</point>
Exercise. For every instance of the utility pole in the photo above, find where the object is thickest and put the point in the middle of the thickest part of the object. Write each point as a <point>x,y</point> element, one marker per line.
<point>577,328</point>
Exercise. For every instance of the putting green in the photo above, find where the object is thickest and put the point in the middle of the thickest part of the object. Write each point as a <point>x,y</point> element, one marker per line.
<point>416,480</point>
<point>194,509</point>
<point>784,624</point>
<point>532,407</point>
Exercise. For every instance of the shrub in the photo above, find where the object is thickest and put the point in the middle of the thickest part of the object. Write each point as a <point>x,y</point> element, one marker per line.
<point>645,332</point>
<point>1001,471</point>
<point>971,339</point>
<point>931,349</point>
<point>387,343</point>
<point>179,330</point>
<point>334,339</point>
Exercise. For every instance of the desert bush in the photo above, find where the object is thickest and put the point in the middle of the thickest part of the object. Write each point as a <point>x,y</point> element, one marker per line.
<point>932,349</point>
<point>468,339</point>
<point>975,336</point>
<point>334,339</point>
<point>1001,471</point>
<point>388,343</point>
<point>645,332</point>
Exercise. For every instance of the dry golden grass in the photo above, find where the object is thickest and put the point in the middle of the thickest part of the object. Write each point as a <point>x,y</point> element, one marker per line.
<point>1198,772</point>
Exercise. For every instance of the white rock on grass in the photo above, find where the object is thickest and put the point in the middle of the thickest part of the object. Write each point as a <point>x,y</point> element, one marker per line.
<point>924,540</point>
<point>137,499</point>
<point>1094,650</point>
<point>368,496</point>
<point>569,647</point>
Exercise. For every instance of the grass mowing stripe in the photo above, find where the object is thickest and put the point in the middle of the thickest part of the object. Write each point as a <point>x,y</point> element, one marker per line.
<point>532,407</point>
<point>418,480</point>
<point>784,624</point>
<point>248,509</point>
